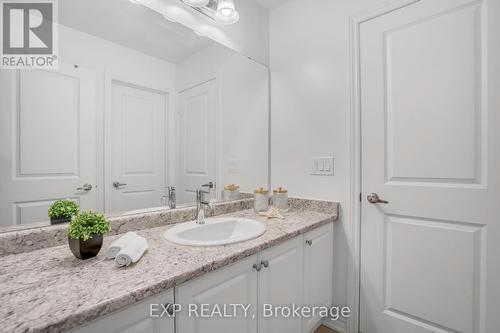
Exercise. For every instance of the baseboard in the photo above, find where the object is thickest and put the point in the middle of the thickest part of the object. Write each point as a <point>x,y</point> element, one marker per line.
<point>337,325</point>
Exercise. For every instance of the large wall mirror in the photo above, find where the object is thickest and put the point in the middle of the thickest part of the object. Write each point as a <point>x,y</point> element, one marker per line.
<point>138,104</point>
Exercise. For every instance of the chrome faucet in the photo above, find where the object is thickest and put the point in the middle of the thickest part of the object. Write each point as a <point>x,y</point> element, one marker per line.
<point>171,197</point>
<point>201,203</point>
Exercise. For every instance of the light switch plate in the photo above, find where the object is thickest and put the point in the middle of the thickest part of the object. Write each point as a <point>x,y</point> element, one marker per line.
<point>322,166</point>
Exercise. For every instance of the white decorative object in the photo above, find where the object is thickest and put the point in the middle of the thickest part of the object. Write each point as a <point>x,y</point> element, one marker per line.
<point>261,200</point>
<point>280,198</point>
<point>231,192</point>
<point>119,244</point>
<point>273,213</point>
<point>132,252</point>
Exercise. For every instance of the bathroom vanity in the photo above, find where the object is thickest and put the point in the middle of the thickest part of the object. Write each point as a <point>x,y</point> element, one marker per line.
<point>289,264</point>
<point>294,273</point>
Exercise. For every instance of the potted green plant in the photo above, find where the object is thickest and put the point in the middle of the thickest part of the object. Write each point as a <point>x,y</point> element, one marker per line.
<point>62,211</point>
<point>85,234</point>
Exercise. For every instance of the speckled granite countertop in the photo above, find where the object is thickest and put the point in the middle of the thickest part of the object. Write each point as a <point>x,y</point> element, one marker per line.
<point>49,290</point>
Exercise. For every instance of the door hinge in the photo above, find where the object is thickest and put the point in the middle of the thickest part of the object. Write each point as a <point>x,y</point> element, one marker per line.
<point>360,200</point>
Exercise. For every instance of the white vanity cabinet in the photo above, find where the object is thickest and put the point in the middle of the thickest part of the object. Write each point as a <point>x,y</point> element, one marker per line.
<point>234,284</point>
<point>299,271</point>
<point>136,318</point>
<point>318,272</point>
<point>281,283</point>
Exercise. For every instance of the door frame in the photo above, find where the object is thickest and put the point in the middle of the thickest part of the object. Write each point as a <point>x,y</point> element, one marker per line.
<point>355,162</point>
<point>129,80</point>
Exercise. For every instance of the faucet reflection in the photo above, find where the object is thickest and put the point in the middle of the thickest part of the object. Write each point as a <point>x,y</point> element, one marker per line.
<point>201,204</point>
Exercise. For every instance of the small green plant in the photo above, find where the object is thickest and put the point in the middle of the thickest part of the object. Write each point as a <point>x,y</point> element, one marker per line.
<point>63,209</point>
<point>87,224</point>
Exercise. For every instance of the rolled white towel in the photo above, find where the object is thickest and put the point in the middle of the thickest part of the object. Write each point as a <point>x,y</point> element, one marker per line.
<point>132,252</point>
<point>119,244</point>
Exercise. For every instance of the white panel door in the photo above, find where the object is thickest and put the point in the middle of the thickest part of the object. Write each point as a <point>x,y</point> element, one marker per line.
<point>136,318</point>
<point>235,284</point>
<point>281,284</point>
<point>430,134</point>
<point>48,141</point>
<point>136,149</point>
<point>197,138</point>
<point>318,272</point>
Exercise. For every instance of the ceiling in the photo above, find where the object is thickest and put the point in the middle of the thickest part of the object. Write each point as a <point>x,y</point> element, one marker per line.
<point>271,4</point>
<point>132,26</point>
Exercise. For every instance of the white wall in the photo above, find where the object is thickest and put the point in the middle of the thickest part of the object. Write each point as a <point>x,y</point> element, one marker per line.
<point>244,112</point>
<point>250,36</point>
<point>309,59</point>
<point>103,57</point>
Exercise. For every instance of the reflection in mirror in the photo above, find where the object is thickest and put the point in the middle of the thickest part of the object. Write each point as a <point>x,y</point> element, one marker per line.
<point>140,113</point>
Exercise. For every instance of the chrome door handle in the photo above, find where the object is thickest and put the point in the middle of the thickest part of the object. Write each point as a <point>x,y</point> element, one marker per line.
<point>265,263</point>
<point>85,187</point>
<point>257,267</point>
<point>210,185</point>
<point>374,198</point>
<point>118,184</point>
<point>309,242</point>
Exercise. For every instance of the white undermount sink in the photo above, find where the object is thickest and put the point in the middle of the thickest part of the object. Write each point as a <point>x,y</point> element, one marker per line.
<point>215,231</point>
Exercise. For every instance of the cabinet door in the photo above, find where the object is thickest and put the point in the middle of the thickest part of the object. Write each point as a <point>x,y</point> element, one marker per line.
<point>236,284</point>
<point>136,318</point>
<point>280,284</point>
<point>318,271</point>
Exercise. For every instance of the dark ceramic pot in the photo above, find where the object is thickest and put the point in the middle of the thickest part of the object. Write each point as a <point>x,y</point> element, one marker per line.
<point>85,249</point>
<point>60,220</point>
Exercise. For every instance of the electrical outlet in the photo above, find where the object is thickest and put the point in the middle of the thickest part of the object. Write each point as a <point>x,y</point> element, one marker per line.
<point>322,166</point>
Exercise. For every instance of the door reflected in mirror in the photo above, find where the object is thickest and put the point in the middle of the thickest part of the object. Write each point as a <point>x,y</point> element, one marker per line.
<point>135,119</point>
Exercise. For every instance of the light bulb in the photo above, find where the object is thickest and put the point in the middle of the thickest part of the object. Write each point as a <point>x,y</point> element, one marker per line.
<point>226,13</point>
<point>196,3</point>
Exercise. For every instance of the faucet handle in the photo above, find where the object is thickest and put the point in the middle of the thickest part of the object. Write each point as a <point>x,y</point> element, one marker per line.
<point>170,190</point>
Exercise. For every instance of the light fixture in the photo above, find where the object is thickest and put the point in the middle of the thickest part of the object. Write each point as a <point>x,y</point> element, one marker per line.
<point>197,3</point>
<point>226,13</point>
